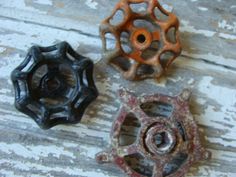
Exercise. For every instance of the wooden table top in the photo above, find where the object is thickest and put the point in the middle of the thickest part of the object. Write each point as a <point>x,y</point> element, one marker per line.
<point>207,66</point>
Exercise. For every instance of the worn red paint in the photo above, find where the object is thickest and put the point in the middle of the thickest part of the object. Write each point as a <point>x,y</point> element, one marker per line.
<point>160,138</point>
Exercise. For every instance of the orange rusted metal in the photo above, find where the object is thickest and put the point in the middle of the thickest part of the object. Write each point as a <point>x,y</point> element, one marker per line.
<point>134,65</point>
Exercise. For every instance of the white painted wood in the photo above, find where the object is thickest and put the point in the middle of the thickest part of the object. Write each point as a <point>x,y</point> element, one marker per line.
<point>207,65</point>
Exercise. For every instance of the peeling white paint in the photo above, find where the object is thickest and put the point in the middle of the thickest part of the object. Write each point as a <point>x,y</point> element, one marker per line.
<point>219,59</point>
<point>8,64</point>
<point>17,117</point>
<point>91,3</point>
<point>31,34</point>
<point>27,166</point>
<point>162,81</point>
<point>44,2</point>
<point>117,76</point>
<point>206,171</point>
<point>79,129</point>
<point>70,145</point>
<point>2,49</point>
<point>175,79</point>
<point>35,152</point>
<point>94,56</point>
<point>219,141</point>
<point>203,8</point>
<point>7,99</point>
<point>20,4</point>
<point>45,37</point>
<point>226,155</point>
<point>168,7</point>
<point>188,28</point>
<point>141,9</point>
<point>226,98</point>
<point>7,172</point>
<point>191,29</point>
<point>224,25</point>
<point>191,81</point>
<point>222,95</point>
<point>60,22</point>
<point>5,91</point>
<point>201,101</point>
<point>227,36</point>
<point>90,151</point>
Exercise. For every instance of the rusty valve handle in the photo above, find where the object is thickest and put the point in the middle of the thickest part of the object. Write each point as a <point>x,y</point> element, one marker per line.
<point>54,85</point>
<point>171,143</point>
<point>137,63</point>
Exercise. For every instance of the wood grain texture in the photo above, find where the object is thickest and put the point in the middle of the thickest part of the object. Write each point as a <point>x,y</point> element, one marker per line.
<point>207,66</point>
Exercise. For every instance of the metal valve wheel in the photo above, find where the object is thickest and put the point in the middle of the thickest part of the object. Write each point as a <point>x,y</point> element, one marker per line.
<point>147,42</point>
<point>167,140</point>
<point>54,85</point>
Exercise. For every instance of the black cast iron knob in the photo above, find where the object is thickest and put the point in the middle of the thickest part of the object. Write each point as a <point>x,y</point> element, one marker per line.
<point>54,85</point>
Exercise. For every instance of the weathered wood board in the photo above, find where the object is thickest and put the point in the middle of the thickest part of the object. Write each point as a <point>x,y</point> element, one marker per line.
<point>207,66</point>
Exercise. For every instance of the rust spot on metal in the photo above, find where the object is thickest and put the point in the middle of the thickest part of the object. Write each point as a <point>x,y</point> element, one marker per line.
<point>153,42</point>
<point>165,144</point>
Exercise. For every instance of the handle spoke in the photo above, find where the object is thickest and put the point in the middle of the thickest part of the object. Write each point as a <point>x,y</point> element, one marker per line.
<point>158,169</point>
<point>156,36</point>
<point>127,150</point>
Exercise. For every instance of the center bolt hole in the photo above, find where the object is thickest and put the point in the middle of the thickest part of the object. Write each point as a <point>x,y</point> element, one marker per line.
<point>141,38</point>
<point>52,84</point>
<point>162,140</point>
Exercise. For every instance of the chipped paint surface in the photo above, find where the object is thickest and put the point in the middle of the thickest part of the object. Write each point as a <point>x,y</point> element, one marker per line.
<point>21,4</point>
<point>48,169</point>
<point>69,150</point>
<point>91,3</point>
<point>35,151</point>
<point>231,62</point>
<point>188,28</point>
<point>225,25</point>
<point>44,2</point>
<point>2,49</point>
<point>203,8</point>
<point>224,119</point>
<point>168,7</point>
<point>227,36</point>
